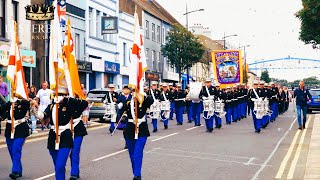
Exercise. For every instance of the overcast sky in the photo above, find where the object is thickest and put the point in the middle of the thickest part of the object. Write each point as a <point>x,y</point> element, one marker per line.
<point>269,27</point>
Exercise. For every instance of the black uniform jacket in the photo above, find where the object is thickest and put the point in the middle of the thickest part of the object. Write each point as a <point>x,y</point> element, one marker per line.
<point>79,107</point>
<point>21,107</point>
<point>179,95</point>
<point>203,93</point>
<point>156,93</point>
<point>113,95</point>
<point>129,131</point>
<point>66,109</point>
<point>168,95</point>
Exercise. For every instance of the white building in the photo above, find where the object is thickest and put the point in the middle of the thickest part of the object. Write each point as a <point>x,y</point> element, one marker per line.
<point>102,50</point>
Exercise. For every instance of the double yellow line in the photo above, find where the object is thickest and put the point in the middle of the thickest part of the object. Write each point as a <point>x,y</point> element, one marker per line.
<point>296,156</point>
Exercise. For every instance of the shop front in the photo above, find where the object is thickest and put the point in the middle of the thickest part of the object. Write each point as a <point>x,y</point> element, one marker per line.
<point>111,70</point>
<point>96,77</point>
<point>84,68</point>
<point>150,76</point>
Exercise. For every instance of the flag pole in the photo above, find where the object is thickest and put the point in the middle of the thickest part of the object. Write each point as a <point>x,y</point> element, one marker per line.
<point>57,106</point>
<point>135,97</point>
<point>13,87</point>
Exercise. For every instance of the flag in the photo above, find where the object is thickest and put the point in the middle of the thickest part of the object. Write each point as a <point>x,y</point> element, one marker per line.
<point>62,12</point>
<point>69,48</point>
<point>55,52</point>
<point>15,72</point>
<point>138,62</point>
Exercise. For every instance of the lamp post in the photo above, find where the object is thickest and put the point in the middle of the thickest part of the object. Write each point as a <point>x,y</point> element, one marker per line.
<point>245,59</point>
<point>224,39</point>
<point>187,27</point>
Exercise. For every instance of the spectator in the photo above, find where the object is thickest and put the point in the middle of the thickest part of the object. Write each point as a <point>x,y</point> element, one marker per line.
<point>302,95</point>
<point>32,93</point>
<point>43,96</point>
<point>85,113</point>
<point>28,88</point>
<point>3,90</point>
<point>33,115</point>
<point>83,89</point>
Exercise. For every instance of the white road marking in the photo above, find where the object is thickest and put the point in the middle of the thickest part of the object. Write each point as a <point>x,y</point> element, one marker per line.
<point>164,137</point>
<point>152,150</point>
<point>239,157</point>
<point>45,177</point>
<point>297,155</point>
<point>272,153</point>
<point>109,155</point>
<point>250,161</point>
<point>192,128</point>
<point>288,155</point>
<point>203,158</point>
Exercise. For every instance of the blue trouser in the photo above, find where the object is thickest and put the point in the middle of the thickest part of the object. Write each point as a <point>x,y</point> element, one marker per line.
<point>75,156</point>
<point>112,126</point>
<point>228,114</point>
<point>179,114</point>
<point>189,112</point>
<point>155,123</point>
<point>172,108</point>
<point>239,110</point>
<point>164,119</point>
<point>217,121</point>
<point>256,122</point>
<point>209,120</point>
<point>235,113</point>
<point>135,148</point>
<point>248,108</point>
<point>245,106</point>
<point>60,158</point>
<point>15,151</point>
<point>196,111</point>
<point>304,113</point>
<point>274,109</point>
<point>265,121</point>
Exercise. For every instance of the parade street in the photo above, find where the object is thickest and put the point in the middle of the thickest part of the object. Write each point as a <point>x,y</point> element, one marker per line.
<point>184,152</point>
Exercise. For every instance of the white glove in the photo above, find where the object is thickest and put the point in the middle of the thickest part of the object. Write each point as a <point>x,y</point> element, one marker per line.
<point>120,105</point>
<point>40,115</point>
<point>204,98</point>
<point>13,99</point>
<point>58,99</point>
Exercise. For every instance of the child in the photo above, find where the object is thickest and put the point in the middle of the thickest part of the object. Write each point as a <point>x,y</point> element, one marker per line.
<point>33,115</point>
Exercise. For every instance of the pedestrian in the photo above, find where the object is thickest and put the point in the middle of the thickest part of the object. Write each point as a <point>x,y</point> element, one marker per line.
<point>172,108</point>
<point>165,97</point>
<point>32,93</point>
<point>253,95</point>
<point>84,91</point>
<point>44,99</point>
<point>179,98</point>
<point>155,112</point>
<point>136,143</point>
<point>33,115</point>
<point>79,131</point>
<point>220,96</point>
<point>188,105</point>
<point>229,105</point>
<point>3,90</point>
<point>21,132</point>
<point>60,151</point>
<point>274,101</point>
<point>302,96</point>
<point>28,87</point>
<point>207,93</point>
<point>112,98</point>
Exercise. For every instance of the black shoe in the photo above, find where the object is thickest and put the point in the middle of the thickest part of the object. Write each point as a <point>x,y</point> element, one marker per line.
<point>155,130</point>
<point>125,147</point>
<point>189,121</point>
<point>137,178</point>
<point>74,177</point>
<point>15,175</point>
<point>110,130</point>
<point>210,130</point>
<point>258,131</point>
<point>218,127</point>
<point>179,123</point>
<point>165,127</point>
<point>304,125</point>
<point>42,128</point>
<point>198,124</point>
<point>300,128</point>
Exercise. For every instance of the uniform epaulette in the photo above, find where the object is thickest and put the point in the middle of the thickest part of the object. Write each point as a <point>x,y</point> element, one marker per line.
<point>51,106</point>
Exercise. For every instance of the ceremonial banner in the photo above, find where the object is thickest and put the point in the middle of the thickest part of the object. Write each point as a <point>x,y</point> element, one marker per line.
<point>227,66</point>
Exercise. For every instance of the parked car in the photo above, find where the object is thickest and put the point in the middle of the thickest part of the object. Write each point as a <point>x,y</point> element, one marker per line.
<point>98,108</point>
<point>315,100</point>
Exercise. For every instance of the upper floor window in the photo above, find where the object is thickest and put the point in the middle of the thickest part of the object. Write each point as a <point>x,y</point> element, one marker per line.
<point>77,45</point>
<point>124,54</point>
<point>163,34</point>
<point>98,24</point>
<point>158,33</point>
<point>2,18</point>
<point>147,30</point>
<point>153,31</point>
<point>91,23</point>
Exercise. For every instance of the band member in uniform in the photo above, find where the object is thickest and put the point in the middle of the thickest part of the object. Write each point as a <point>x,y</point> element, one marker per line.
<point>155,94</point>
<point>220,96</point>
<point>196,110</point>
<point>245,97</point>
<point>165,95</point>
<point>66,109</point>
<point>281,100</point>
<point>79,131</point>
<point>287,98</point>
<point>172,108</point>
<point>188,105</point>
<point>240,102</point>
<point>136,146</point>
<point>228,105</point>
<point>21,132</point>
<point>207,92</point>
<point>235,115</point>
<point>263,93</point>
<point>179,99</point>
<point>111,97</point>
<point>252,95</point>
<point>274,101</point>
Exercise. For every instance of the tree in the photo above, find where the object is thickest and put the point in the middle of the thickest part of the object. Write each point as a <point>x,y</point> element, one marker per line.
<point>265,76</point>
<point>309,16</point>
<point>182,49</point>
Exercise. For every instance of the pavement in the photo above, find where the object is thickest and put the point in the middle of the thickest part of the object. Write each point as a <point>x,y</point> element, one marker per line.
<point>234,152</point>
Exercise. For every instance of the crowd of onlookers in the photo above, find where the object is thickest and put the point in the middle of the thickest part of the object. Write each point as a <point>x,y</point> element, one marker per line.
<point>39,101</point>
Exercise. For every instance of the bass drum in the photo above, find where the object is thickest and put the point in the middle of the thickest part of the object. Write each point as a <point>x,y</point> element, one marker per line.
<point>195,89</point>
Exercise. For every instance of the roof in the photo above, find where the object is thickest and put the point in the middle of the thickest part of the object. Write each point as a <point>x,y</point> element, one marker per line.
<point>155,9</point>
<point>209,43</point>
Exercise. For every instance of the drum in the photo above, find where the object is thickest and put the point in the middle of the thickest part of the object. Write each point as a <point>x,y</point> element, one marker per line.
<point>165,106</point>
<point>208,105</point>
<point>258,108</point>
<point>219,107</point>
<point>195,89</point>
<point>110,112</point>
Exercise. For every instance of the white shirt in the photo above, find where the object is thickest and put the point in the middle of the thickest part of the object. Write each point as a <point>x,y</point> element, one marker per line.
<point>44,98</point>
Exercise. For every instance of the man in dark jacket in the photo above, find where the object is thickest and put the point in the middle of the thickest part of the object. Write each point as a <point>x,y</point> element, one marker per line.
<point>302,96</point>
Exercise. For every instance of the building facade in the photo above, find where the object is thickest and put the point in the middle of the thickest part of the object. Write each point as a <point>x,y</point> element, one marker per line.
<point>102,50</point>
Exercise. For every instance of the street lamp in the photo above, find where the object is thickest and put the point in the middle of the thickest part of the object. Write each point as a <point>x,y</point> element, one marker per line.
<point>245,59</point>
<point>187,27</point>
<point>224,39</point>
